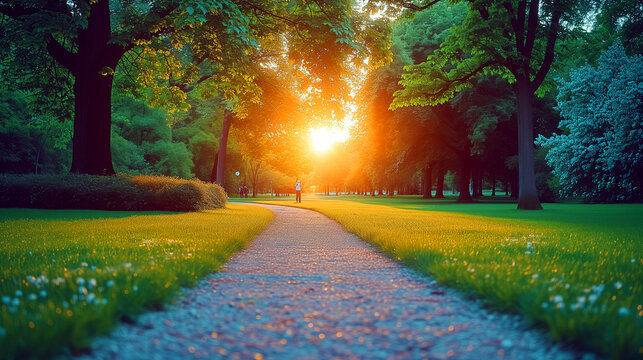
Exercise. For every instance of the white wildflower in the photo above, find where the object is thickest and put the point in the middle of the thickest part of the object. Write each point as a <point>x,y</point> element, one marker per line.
<point>598,288</point>
<point>534,276</point>
<point>80,281</point>
<point>83,264</point>
<point>6,299</point>
<point>15,302</point>
<point>90,297</point>
<point>558,299</point>
<point>592,298</point>
<point>127,265</point>
<point>92,282</point>
<point>18,293</point>
<point>623,311</point>
<point>43,293</point>
<point>618,285</point>
<point>32,297</point>
<point>135,288</point>
<point>110,283</point>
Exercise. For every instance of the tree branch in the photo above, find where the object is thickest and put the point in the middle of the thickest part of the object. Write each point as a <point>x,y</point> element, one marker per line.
<point>532,27</point>
<point>63,56</point>
<point>271,14</point>
<point>415,7</point>
<point>549,50</point>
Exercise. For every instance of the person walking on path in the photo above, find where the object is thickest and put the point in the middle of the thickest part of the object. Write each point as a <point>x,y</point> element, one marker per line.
<point>298,191</point>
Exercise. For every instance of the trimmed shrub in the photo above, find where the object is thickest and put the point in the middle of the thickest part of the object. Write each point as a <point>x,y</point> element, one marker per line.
<point>119,192</point>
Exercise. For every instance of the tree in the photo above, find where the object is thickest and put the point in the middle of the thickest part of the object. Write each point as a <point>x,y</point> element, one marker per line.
<point>88,38</point>
<point>598,155</point>
<point>515,39</point>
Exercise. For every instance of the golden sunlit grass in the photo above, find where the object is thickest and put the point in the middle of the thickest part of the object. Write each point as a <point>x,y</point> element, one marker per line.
<point>68,275</point>
<point>575,273</point>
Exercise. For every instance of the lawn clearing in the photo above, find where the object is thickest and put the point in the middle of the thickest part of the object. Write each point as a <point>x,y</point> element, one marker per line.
<point>576,269</point>
<point>68,275</point>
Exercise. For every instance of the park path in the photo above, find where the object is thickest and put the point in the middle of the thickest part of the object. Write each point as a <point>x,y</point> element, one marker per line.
<point>305,288</point>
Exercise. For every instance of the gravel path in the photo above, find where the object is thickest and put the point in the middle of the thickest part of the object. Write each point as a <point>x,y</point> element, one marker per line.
<point>307,289</point>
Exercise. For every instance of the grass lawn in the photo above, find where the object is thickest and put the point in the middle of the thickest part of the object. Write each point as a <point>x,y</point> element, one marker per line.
<point>69,275</point>
<point>576,269</point>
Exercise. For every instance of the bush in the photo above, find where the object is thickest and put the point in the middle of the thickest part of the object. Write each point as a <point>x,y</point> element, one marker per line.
<point>119,192</point>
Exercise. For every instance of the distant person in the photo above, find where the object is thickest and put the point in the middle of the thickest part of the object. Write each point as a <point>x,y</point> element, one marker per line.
<point>245,191</point>
<point>298,191</point>
<point>240,191</point>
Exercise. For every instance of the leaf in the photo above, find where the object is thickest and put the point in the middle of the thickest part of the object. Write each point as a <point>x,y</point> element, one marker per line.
<point>190,10</point>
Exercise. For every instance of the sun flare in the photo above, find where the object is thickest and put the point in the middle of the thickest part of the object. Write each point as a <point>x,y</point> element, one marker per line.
<point>323,138</point>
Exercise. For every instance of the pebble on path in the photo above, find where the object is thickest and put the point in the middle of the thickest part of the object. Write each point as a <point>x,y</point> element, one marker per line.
<point>305,288</point>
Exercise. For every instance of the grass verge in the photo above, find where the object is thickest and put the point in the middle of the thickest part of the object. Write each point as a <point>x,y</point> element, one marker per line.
<point>575,269</point>
<point>67,276</point>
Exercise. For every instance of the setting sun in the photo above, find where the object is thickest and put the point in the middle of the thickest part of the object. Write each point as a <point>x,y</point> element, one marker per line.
<point>323,138</point>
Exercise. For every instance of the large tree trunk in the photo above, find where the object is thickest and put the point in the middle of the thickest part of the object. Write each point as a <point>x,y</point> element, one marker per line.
<point>223,144</point>
<point>465,176</point>
<point>427,182</point>
<point>93,68</point>
<point>439,187</point>
<point>527,194</point>
<point>213,175</point>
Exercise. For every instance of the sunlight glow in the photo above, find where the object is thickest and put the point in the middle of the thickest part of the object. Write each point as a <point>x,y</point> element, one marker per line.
<point>323,138</point>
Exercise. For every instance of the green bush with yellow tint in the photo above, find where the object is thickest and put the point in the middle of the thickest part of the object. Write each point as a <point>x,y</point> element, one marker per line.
<point>575,269</point>
<point>69,275</point>
<point>118,192</point>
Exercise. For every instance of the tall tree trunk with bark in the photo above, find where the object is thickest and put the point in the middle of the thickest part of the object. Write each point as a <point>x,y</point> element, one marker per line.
<point>427,182</point>
<point>213,175</point>
<point>93,69</point>
<point>223,144</point>
<point>439,187</point>
<point>465,176</point>
<point>527,195</point>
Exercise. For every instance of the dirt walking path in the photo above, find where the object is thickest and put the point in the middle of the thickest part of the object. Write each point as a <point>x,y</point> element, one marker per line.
<point>307,289</point>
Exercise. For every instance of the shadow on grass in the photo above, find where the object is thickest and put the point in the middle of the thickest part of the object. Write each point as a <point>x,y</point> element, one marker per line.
<point>72,214</point>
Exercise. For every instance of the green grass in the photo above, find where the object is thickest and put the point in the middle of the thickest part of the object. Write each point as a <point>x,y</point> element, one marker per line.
<point>575,269</point>
<point>68,275</point>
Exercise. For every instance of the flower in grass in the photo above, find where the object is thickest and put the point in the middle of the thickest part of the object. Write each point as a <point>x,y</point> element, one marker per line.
<point>90,297</point>
<point>43,293</point>
<point>618,285</point>
<point>83,264</point>
<point>135,288</point>
<point>127,265</point>
<point>18,293</point>
<point>110,283</point>
<point>32,297</point>
<point>6,299</point>
<point>3,332</point>
<point>623,311</point>
<point>545,305</point>
<point>592,298</point>
<point>80,281</point>
<point>633,261</point>
<point>92,283</point>
<point>598,288</point>
<point>558,299</point>
<point>534,276</point>
<point>15,302</point>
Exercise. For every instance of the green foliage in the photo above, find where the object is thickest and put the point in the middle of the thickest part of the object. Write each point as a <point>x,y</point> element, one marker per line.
<point>142,141</point>
<point>30,143</point>
<point>88,269</point>
<point>121,192</point>
<point>598,155</point>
